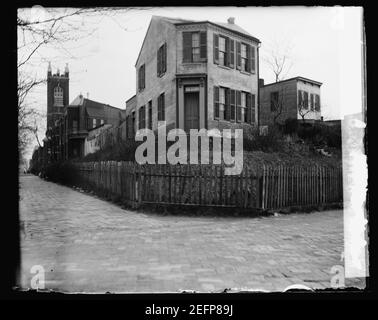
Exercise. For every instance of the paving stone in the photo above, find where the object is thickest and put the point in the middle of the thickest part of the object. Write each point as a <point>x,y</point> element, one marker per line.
<point>95,246</point>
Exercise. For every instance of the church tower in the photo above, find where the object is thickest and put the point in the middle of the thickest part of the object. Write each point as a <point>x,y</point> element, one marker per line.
<point>57,94</point>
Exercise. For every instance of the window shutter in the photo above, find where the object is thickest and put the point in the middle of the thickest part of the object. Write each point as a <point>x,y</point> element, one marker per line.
<point>317,102</point>
<point>165,57</point>
<point>249,107</point>
<point>248,64</point>
<point>158,59</point>
<point>216,102</point>
<point>305,97</point>
<point>232,105</point>
<point>238,55</point>
<point>203,45</point>
<point>139,79</point>
<point>253,59</point>
<point>159,108</point>
<point>227,104</point>
<point>163,107</point>
<point>227,49</point>
<point>187,46</point>
<point>144,76</point>
<point>238,106</point>
<point>300,99</point>
<point>216,48</point>
<point>253,108</point>
<point>232,54</point>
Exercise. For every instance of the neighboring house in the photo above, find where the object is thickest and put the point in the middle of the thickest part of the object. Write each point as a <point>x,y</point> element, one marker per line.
<point>195,74</point>
<point>68,124</point>
<point>83,115</point>
<point>295,98</point>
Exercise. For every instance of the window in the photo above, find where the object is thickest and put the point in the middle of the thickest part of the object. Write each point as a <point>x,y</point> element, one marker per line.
<point>305,100</point>
<point>194,46</point>
<point>222,51</point>
<point>274,101</point>
<point>312,102</point>
<point>244,58</point>
<point>150,115</point>
<point>161,107</point>
<point>141,78</point>
<point>102,121</point>
<point>142,118</point>
<point>317,102</point>
<point>58,96</point>
<point>234,105</point>
<point>162,60</point>
<point>93,123</point>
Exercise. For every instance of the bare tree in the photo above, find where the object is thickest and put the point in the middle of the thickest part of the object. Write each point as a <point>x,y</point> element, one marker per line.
<point>39,28</point>
<point>278,58</point>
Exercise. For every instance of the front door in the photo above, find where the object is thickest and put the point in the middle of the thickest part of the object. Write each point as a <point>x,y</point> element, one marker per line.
<point>191,109</point>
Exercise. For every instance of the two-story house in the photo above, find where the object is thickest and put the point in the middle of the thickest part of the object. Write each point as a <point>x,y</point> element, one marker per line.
<point>194,75</point>
<point>294,98</point>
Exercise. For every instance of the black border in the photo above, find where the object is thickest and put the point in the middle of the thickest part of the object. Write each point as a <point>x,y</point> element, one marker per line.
<point>10,234</point>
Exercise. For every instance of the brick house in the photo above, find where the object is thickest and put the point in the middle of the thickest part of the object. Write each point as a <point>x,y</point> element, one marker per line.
<point>68,124</point>
<point>294,98</point>
<point>82,116</point>
<point>195,74</point>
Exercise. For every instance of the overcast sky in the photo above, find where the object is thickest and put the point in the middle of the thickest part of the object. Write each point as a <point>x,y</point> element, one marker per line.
<point>325,45</point>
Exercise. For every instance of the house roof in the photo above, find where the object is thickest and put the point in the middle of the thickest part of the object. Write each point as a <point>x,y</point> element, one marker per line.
<point>94,109</point>
<point>294,78</point>
<point>231,26</point>
<point>178,21</point>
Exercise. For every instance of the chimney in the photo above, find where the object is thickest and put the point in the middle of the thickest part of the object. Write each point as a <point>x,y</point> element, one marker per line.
<point>231,20</point>
<point>261,82</point>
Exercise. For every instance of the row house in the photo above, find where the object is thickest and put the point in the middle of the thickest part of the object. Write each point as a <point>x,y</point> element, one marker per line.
<point>294,98</point>
<point>194,75</point>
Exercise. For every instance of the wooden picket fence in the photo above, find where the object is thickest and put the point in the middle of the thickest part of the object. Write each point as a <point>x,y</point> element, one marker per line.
<point>272,187</point>
<point>287,186</point>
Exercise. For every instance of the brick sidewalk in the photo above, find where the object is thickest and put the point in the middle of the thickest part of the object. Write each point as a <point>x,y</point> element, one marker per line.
<point>89,245</point>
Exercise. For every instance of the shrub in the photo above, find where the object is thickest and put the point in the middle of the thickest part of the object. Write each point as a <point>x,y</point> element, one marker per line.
<point>272,141</point>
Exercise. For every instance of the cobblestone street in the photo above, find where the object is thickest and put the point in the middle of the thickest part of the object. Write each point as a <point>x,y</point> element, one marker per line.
<point>89,245</point>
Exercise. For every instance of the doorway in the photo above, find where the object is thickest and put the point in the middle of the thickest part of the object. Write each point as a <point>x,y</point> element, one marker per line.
<point>191,108</point>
